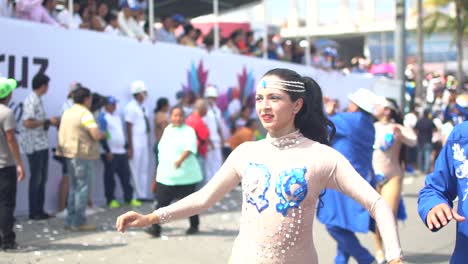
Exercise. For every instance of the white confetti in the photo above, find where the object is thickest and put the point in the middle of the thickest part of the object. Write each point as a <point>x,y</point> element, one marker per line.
<point>85,244</point>
<point>164,238</point>
<point>61,259</point>
<point>55,232</point>
<point>19,226</point>
<point>38,236</point>
<point>37,253</point>
<point>45,230</point>
<point>51,238</point>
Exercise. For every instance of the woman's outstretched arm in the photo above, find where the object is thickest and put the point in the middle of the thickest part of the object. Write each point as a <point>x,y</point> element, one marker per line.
<point>345,179</point>
<point>224,181</point>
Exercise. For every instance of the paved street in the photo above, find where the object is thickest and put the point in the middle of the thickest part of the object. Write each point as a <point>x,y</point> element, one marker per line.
<point>47,242</point>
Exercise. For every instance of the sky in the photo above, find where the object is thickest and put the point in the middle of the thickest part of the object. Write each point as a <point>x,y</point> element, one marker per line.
<point>278,9</point>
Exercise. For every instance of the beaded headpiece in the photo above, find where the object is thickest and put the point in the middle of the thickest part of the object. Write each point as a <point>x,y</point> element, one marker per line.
<point>290,86</point>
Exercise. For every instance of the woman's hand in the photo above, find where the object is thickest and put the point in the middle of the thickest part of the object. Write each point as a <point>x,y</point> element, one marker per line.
<point>397,133</point>
<point>178,163</point>
<point>131,219</point>
<point>396,261</point>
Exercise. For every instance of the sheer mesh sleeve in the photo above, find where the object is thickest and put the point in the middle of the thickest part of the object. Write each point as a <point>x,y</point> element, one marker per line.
<point>345,179</point>
<point>224,181</point>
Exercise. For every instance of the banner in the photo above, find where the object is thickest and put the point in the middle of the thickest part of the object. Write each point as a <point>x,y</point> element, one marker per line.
<point>108,64</point>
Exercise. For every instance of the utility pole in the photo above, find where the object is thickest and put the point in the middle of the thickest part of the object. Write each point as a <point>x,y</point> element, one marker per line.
<point>420,57</point>
<point>400,48</point>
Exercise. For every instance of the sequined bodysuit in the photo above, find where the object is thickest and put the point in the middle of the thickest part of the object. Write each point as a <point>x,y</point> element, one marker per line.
<point>385,159</point>
<point>282,179</point>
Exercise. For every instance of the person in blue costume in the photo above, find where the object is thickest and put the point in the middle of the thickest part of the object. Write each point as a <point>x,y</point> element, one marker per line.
<point>449,180</point>
<point>354,138</point>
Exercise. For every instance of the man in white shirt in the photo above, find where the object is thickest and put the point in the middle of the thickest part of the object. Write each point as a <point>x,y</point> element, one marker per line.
<point>128,24</point>
<point>114,156</point>
<point>213,119</point>
<point>137,125</point>
<point>35,143</point>
<point>67,20</point>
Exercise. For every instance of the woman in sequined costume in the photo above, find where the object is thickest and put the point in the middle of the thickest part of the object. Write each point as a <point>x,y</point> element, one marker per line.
<point>388,160</point>
<point>282,177</point>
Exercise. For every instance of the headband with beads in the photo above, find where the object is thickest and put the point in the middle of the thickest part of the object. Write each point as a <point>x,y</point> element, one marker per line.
<point>290,86</point>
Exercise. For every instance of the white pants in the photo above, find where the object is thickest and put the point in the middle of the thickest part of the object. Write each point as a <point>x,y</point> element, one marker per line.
<point>213,161</point>
<point>139,165</point>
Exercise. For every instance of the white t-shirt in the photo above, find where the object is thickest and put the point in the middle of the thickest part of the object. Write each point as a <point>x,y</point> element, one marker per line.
<point>134,114</point>
<point>113,31</point>
<point>130,27</point>
<point>116,138</point>
<point>212,120</point>
<point>6,9</point>
<point>64,16</point>
<point>235,107</point>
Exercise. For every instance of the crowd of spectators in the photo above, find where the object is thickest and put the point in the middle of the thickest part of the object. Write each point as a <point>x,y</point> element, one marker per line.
<point>129,18</point>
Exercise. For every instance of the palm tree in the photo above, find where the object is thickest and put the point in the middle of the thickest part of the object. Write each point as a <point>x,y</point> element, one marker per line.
<point>438,21</point>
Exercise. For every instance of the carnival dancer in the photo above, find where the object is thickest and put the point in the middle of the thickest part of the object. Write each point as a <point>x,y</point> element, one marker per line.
<point>449,180</point>
<point>354,139</point>
<point>282,177</point>
<point>389,159</point>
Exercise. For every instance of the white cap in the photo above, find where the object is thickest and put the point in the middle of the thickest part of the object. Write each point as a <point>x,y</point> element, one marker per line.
<point>138,87</point>
<point>365,99</point>
<point>211,91</point>
<point>380,100</point>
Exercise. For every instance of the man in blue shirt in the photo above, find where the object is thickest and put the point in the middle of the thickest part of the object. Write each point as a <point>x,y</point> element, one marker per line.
<point>449,180</point>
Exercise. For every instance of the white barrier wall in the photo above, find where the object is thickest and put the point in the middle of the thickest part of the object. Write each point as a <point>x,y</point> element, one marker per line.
<point>108,64</point>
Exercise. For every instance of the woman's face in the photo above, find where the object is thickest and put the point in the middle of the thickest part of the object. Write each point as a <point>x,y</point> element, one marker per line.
<point>177,117</point>
<point>275,108</point>
<point>103,10</point>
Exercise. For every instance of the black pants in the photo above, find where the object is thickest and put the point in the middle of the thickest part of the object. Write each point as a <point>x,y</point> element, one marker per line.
<point>7,204</point>
<point>38,165</point>
<point>119,165</point>
<point>166,194</point>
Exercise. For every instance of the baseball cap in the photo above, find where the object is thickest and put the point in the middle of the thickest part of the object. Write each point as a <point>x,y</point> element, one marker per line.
<point>111,100</point>
<point>211,91</point>
<point>365,99</point>
<point>178,18</point>
<point>132,4</point>
<point>138,87</point>
<point>7,86</point>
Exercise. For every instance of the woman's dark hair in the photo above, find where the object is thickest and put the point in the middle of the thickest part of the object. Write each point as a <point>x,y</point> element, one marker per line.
<point>188,28</point>
<point>83,8</point>
<point>110,17</point>
<point>177,107</point>
<point>397,117</point>
<point>311,119</point>
<point>161,103</point>
<point>80,94</point>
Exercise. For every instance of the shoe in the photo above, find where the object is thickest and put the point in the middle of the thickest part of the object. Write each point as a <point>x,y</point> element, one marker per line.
<point>192,231</point>
<point>83,228</point>
<point>153,232</point>
<point>114,204</point>
<point>62,214</point>
<point>38,217</point>
<point>134,203</point>
<point>10,246</point>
